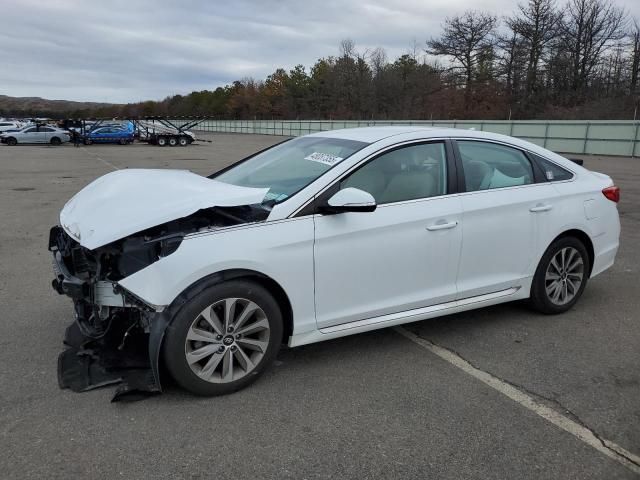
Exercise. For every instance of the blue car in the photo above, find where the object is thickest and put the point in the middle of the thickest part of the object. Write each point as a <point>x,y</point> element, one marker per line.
<point>122,134</point>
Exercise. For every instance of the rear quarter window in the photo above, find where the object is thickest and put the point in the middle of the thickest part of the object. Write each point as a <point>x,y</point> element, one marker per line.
<point>551,171</point>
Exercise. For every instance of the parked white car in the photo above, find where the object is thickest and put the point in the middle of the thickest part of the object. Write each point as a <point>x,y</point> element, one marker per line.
<point>327,235</point>
<point>8,125</point>
<point>36,134</point>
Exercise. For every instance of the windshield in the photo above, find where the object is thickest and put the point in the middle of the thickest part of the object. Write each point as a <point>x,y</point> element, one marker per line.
<point>290,166</point>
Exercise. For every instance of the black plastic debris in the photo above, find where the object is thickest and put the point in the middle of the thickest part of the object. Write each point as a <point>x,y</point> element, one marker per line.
<point>88,363</point>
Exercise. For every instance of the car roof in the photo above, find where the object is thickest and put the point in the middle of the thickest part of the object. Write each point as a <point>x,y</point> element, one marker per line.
<point>414,132</point>
<point>374,134</point>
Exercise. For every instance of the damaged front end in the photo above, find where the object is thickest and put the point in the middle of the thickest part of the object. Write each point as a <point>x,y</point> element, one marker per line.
<point>116,337</point>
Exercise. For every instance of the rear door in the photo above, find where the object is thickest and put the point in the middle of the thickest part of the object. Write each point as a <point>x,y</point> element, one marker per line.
<point>504,203</point>
<point>45,134</point>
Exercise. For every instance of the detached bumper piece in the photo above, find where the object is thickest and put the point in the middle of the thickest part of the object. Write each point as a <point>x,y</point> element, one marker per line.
<point>87,364</point>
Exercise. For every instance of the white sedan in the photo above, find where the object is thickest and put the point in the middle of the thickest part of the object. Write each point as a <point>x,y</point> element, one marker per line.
<point>36,134</point>
<point>327,235</point>
<point>4,126</point>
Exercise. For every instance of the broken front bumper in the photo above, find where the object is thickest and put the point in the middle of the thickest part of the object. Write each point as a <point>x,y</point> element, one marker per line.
<point>98,293</point>
<point>66,284</point>
<point>114,339</point>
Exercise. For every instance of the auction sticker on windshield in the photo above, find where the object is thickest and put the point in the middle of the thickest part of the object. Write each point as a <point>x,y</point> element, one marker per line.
<point>325,158</point>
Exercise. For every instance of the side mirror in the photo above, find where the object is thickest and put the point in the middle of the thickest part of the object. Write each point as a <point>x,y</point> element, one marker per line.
<point>350,200</point>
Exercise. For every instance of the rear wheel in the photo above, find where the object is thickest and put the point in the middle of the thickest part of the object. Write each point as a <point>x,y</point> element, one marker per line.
<point>55,141</point>
<point>173,141</point>
<point>162,141</point>
<point>123,141</point>
<point>87,141</point>
<point>224,338</point>
<point>12,141</point>
<point>561,276</point>
<point>183,142</point>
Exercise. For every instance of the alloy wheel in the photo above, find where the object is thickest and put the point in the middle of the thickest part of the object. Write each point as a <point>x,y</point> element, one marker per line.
<point>227,340</point>
<point>564,276</point>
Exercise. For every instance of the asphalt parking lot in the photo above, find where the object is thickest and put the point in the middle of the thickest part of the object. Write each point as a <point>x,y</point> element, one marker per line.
<point>376,405</point>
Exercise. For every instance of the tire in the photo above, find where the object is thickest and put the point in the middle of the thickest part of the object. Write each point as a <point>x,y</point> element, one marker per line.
<point>55,141</point>
<point>87,141</point>
<point>173,141</point>
<point>561,276</point>
<point>162,141</point>
<point>12,141</point>
<point>183,141</point>
<point>123,141</point>
<point>214,350</point>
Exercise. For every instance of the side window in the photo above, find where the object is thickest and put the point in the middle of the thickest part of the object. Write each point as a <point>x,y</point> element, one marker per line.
<point>32,129</point>
<point>489,165</point>
<point>552,172</point>
<point>408,173</point>
<point>46,129</point>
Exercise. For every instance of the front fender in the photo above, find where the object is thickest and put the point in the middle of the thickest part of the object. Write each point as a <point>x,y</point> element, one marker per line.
<point>281,250</point>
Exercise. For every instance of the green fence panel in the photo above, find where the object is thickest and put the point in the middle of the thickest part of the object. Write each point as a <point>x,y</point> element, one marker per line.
<point>599,137</point>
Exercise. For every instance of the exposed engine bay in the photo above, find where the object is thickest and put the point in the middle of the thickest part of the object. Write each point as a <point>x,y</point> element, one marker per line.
<point>116,337</point>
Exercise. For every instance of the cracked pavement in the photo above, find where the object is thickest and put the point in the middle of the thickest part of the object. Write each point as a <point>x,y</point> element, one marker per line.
<point>368,406</point>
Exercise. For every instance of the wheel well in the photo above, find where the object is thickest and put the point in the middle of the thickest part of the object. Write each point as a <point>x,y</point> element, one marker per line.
<point>261,279</point>
<point>586,241</point>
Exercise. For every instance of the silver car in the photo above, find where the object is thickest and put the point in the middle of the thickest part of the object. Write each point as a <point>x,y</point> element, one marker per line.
<point>36,134</point>
<point>4,126</point>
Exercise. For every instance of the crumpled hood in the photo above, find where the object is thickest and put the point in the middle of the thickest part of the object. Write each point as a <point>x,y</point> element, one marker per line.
<point>128,201</point>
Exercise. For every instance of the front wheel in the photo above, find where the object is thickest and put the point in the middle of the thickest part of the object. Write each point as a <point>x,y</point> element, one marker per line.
<point>224,338</point>
<point>561,276</point>
<point>12,141</point>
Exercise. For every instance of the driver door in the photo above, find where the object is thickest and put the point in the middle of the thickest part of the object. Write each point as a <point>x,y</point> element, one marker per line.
<point>402,256</point>
<point>29,135</point>
<point>100,135</point>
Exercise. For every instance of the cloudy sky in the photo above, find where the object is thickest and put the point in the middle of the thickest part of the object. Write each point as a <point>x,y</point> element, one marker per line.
<point>126,51</point>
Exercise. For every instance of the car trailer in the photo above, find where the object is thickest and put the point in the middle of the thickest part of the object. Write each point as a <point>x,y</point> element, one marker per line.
<point>154,130</point>
<point>79,127</point>
<point>162,131</point>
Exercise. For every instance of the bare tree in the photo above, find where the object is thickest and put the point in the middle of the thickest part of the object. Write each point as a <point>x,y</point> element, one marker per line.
<point>377,60</point>
<point>536,22</point>
<point>465,38</point>
<point>635,58</point>
<point>511,62</point>
<point>347,48</point>
<point>589,28</point>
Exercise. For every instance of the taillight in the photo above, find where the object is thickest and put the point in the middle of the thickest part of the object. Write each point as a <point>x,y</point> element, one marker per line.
<point>612,193</point>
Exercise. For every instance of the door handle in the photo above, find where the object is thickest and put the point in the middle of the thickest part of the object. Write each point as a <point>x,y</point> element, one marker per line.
<point>541,208</point>
<point>441,226</point>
